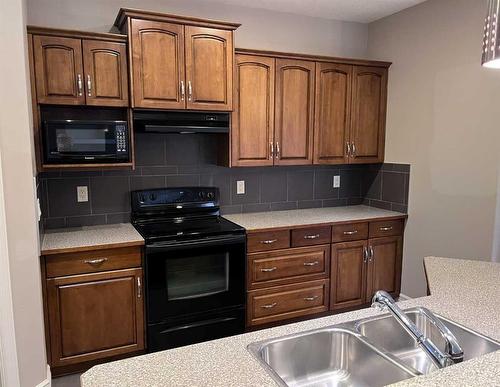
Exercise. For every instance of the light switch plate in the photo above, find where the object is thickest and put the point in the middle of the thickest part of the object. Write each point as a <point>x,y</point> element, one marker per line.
<point>82,194</point>
<point>240,187</point>
<point>336,181</point>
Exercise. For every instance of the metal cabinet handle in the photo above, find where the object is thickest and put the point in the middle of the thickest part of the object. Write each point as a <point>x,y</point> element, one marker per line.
<point>183,91</point>
<point>315,236</point>
<point>311,263</point>
<point>310,298</point>
<point>348,148</point>
<point>350,232</point>
<point>79,84</point>
<point>96,261</point>
<point>353,149</point>
<point>269,306</point>
<point>269,241</point>
<point>385,228</point>
<point>139,287</point>
<point>371,256</point>
<point>365,254</point>
<point>268,270</point>
<point>277,150</point>
<point>190,91</point>
<point>89,86</point>
<point>271,155</point>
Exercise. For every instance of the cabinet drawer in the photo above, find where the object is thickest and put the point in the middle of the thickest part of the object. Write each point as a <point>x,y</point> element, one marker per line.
<point>311,236</point>
<point>268,240</point>
<point>285,302</point>
<point>386,228</point>
<point>349,232</point>
<point>291,265</point>
<point>92,261</point>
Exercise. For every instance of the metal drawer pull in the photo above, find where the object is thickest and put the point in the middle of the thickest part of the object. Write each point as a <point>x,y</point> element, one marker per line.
<point>310,298</point>
<point>271,155</point>
<point>365,254</point>
<point>79,84</point>
<point>139,287</point>
<point>269,241</point>
<point>269,306</point>
<point>89,85</point>
<point>353,149</point>
<point>311,263</point>
<point>350,232</point>
<point>315,236</point>
<point>190,91</point>
<point>183,91</point>
<point>268,270</point>
<point>96,261</point>
<point>371,253</point>
<point>386,228</point>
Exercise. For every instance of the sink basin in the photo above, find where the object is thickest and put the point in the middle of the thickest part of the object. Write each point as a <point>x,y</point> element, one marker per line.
<point>333,356</point>
<point>386,333</point>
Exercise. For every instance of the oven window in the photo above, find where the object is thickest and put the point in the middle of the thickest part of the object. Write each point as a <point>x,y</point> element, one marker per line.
<point>198,276</point>
<point>83,140</point>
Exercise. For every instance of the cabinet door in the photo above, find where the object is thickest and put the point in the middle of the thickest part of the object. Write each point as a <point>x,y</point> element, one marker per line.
<point>105,68</point>
<point>294,112</point>
<point>348,274</point>
<point>94,316</point>
<point>331,113</point>
<point>369,100</point>
<point>157,64</point>
<point>384,266</point>
<point>252,131</point>
<point>209,68</point>
<point>58,70</point>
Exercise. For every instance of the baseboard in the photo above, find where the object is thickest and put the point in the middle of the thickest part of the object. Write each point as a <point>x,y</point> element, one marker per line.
<point>47,382</point>
<point>404,297</point>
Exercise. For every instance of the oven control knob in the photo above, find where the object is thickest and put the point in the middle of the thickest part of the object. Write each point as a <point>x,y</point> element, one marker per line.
<point>201,194</point>
<point>152,197</point>
<point>210,195</point>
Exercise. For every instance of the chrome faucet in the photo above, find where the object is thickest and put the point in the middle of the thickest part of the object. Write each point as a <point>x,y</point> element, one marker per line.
<point>453,352</point>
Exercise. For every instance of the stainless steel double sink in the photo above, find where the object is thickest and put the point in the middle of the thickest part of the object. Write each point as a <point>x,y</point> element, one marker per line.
<point>374,351</point>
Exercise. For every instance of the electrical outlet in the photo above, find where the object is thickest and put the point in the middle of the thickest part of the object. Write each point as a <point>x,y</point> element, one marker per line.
<point>240,187</point>
<point>336,181</point>
<point>82,194</point>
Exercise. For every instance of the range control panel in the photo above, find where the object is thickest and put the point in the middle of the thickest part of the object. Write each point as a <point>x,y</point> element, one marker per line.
<point>175,196</point>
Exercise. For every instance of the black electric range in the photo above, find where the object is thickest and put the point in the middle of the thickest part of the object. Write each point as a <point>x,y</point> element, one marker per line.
<point>194,266</point>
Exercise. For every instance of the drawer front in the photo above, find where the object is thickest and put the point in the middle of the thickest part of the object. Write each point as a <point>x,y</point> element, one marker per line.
<point>349,232</point>
<point>92,261</point>
<point>385,228</point>
<point>268,240</point>
<point>285,302</point>
<point>291,265</point>
<point>311,236</point>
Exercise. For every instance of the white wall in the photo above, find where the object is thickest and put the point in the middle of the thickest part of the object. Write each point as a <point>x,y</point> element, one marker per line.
<point>443,111</point>
<point>18,196</point>
<point>260,29</point>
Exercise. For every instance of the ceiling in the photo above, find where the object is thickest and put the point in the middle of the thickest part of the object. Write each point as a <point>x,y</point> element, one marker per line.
<point>363,11</point>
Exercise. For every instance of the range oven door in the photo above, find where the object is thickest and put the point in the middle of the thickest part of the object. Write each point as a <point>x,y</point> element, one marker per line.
<point>195,276</point>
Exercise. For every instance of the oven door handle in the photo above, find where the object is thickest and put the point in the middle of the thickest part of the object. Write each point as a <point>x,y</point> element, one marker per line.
<point>182,245</point>
<point>199,324</point>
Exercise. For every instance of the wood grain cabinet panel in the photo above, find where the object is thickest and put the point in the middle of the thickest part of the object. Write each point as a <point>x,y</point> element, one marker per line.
<point>369,99</point>
<point>157,64</point>
<point>105,67</point>
<point>311,236</point>
<point>349,232</point>
<point>94,316</point>
<point>294,115</point>
<point>209,68</point>
<point>268,240</point>
<point>348,274</point>
<point>58,70</point>
<point>384,266</point>
<point>385,228</point>
<point>332,113</point>
<point>252,132</point>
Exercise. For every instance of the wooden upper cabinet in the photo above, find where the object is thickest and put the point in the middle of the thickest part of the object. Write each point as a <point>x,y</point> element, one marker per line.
<point>157,64</point>
<point>209,68</point>
<point>252,133</point>
<point>58,70</point>
<point>105,69</point>
<point>369,101</point>
<point>332,113</point>
<point>294,115</point>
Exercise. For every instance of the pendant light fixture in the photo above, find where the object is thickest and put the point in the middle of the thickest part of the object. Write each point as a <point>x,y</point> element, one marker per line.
<point>491,38</point>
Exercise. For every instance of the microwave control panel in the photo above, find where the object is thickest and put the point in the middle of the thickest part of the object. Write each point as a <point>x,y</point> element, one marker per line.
<point>121,139</point>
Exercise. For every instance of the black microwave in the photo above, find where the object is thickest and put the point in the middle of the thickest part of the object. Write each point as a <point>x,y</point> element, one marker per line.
<point>82,142</point>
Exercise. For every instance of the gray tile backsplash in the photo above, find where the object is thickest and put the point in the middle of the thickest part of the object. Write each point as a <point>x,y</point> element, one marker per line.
<point>189,160</point>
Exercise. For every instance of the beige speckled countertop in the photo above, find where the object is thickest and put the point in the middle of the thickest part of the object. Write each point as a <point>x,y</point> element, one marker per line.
<point>275,219</point>
<point>90,238</point>
<point>465,291</point>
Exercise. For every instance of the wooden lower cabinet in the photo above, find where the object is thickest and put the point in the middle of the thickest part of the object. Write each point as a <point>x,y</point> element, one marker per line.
<point>93,316</point>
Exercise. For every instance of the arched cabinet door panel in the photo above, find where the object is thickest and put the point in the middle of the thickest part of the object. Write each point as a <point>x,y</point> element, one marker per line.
<point>252,133</point>
<point>58,70</point>
<point>157,64</point>
<point>209,68</point>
